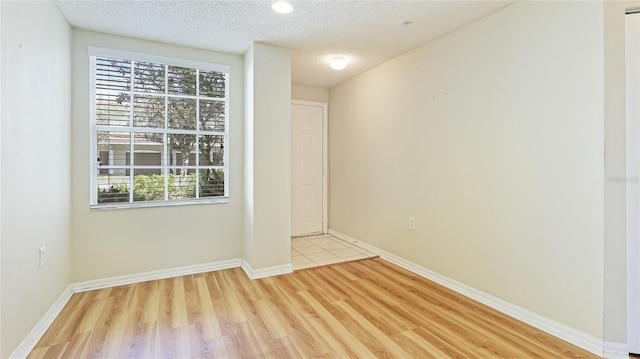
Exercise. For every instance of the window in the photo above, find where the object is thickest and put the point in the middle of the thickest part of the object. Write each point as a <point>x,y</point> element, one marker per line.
<point>159,130</point>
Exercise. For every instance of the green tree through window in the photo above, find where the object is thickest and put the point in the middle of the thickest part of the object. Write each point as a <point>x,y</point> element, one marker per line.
<point>160,130</point>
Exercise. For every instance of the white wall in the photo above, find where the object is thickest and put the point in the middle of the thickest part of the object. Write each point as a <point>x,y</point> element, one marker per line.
<point>267,156</point>
<point>119,242</point>
<point>632,79</point>
<point>0,182</point>
<point>615,264</point>
<point>309,93</point>
<point>36,45</point>
<point>492,138</point>
<point>249,173</point>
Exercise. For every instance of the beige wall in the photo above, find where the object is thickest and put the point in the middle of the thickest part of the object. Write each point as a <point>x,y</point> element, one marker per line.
<point>492,138</point>
<point>494,144</point>
<point>36,45</point>
<point>309,93</point>
<point>267,213</point>
<point>119,242</point>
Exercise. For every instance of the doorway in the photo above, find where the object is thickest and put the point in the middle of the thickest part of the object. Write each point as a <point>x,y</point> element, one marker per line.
<point>632,74</point>
<point>308,168</point>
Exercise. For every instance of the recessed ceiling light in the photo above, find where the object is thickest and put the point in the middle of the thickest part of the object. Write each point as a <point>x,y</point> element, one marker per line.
<point>282,6</point>
<point>338,62</point>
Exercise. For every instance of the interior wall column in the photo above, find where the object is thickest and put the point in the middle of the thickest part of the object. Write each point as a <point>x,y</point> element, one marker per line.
<point>267,212</point>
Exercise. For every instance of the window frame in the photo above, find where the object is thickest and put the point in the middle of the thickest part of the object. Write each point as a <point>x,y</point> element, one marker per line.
<point>94,169</point>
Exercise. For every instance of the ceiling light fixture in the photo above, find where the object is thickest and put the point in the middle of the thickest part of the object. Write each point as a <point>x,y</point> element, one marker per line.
<point>338,62</point>
<point>282,6</point>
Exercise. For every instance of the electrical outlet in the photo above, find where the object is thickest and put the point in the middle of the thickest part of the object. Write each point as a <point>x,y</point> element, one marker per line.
<point>412,223</point>
<point>43,258</point>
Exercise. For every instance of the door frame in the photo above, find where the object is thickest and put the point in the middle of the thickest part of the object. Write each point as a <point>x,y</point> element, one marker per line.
<point>632,205</point>
<point>325,158</point>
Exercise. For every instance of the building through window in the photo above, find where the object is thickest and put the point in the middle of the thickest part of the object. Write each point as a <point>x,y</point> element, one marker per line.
<point>159,130</point>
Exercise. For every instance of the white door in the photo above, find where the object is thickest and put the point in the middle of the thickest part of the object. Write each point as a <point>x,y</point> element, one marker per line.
<point>306,169</point>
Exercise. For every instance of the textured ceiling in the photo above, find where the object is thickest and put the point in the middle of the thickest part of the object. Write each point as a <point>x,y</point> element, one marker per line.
<point>368,33</point>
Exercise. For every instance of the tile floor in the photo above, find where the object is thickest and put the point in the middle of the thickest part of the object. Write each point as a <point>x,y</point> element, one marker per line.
<point>323,249</point>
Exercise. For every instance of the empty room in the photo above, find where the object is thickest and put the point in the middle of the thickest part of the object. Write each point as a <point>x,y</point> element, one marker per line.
<point>275,179</point>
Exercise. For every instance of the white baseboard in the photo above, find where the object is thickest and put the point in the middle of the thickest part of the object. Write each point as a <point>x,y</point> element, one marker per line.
<point>363,245</point>
<point>27,345</point>
<point>31,340</point>
<point>265,272</point>
<point>585,341</point>
<point>34,336</point>
<point>154,275</point>
<point>568,334</point>
<point>616,350</point>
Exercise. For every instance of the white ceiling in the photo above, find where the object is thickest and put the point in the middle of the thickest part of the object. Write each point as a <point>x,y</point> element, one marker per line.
<point>368,33</point>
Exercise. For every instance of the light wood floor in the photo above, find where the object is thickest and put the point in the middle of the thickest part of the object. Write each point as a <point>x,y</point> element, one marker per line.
<point>363,309</point>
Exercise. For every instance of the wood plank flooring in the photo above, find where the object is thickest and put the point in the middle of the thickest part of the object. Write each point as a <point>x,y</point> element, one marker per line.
<point>362,309</point>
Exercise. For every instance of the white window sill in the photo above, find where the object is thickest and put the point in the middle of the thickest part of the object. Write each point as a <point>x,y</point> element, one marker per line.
<point>113,206</point>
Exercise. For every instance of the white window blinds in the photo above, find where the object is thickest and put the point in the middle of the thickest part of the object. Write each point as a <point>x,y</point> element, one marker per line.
<point>159,133</point>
